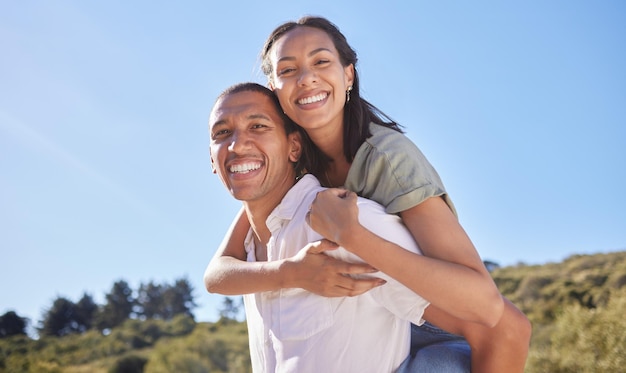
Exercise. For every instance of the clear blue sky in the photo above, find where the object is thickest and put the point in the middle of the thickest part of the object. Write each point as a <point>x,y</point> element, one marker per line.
<point>104,163</point>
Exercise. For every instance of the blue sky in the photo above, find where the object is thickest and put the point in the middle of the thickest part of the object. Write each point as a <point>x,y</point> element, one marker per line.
<point>104,163</point>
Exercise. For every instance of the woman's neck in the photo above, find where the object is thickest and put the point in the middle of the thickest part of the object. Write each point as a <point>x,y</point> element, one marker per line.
<point>336,173</point>
<point>329,139</point>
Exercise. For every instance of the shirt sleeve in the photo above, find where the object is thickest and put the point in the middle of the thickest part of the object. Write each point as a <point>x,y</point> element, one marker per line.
<point>390,169</point>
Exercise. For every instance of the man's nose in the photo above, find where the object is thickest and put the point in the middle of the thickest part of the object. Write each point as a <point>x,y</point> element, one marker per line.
<point>239,142</point>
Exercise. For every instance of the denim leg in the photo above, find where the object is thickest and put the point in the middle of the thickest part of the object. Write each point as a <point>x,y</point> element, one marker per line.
<point>435,350</point>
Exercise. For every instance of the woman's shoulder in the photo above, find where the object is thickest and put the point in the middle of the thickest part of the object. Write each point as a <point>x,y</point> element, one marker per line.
<point>390,169</point>
<point>382,136</point>
<point>388,143</point>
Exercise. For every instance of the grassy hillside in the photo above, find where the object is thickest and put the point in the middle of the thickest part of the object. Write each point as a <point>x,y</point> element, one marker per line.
<point>577,309</point>
<point>155,346</point>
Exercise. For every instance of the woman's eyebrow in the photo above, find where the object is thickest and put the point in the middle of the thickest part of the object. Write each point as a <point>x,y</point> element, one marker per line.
<point>311,53</point>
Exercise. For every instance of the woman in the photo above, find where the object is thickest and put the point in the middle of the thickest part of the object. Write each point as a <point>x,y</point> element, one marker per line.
<point>311,68</point>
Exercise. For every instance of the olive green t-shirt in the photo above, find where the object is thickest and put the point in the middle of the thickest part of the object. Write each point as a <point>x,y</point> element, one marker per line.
<point>389,169</point>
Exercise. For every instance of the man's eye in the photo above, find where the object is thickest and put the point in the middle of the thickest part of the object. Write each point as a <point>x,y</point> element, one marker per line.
<point>220,133</point>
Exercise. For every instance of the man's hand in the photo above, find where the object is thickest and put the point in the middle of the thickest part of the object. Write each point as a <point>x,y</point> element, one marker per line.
<point>311,269</point>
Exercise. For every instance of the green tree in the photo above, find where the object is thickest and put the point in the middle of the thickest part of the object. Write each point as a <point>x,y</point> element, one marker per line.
<point>118,308</point>
<point>164,301</point>
<point>230,308</point>
<point>11,324</point>
<point>86,310</point>
<point>61,319</point>
<point>150,300</point>
<point>178,299</point>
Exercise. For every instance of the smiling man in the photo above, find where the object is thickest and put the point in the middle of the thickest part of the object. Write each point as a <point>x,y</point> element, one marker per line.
<point>259,155</point>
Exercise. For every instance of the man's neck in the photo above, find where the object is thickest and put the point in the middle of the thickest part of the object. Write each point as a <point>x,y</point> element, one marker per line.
<point>258,218</point>
<point>259,210</point>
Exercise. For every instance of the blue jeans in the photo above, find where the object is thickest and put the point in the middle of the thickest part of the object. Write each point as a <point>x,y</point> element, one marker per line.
<point>435,350</point>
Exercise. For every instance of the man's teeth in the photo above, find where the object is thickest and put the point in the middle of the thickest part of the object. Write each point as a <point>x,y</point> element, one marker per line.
<point>246,167</point>
<point>312,99</point>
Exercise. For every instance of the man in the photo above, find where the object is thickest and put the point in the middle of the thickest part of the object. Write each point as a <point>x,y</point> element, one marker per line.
<point>258,154</point>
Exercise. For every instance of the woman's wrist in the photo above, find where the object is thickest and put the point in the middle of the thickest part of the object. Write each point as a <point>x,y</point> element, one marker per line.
<point>348,236</point>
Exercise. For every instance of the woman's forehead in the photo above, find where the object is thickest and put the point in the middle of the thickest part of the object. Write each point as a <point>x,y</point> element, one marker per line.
<point>301,38</point>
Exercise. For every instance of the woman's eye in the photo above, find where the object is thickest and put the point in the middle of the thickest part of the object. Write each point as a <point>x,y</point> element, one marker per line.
<point>322,62</point>
<point>284,71</point>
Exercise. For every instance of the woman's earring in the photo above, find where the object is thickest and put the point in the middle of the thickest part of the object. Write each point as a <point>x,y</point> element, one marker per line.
<point>348,94</point>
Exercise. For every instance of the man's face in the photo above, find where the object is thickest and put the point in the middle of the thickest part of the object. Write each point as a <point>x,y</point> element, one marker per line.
<point>250,150</point>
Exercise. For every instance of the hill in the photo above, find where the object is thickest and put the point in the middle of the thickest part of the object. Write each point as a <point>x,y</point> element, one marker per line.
<point>576,307</point>
<point>577,311</point>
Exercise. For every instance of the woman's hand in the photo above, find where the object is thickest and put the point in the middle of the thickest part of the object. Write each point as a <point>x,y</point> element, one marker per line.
<point>311,269</point>
<point>334,214</point>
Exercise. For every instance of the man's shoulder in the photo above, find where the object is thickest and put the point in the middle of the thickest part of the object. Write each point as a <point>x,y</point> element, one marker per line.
<point>374,212</point>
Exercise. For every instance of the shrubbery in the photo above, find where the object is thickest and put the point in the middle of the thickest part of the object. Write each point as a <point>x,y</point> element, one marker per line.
<point>576,307</point>
<point>577,310</point>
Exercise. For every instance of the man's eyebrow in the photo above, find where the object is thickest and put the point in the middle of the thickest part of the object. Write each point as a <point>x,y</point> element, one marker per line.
<point>218,123</point>
<point>259,116</point>
<point>223,122</point>
<point>311,53</point>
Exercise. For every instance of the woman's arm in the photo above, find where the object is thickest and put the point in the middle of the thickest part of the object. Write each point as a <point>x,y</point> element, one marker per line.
<point>229,273</point>
<point>455,279</point>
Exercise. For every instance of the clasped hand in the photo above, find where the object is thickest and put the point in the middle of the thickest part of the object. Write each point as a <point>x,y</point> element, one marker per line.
<point>329,277</point>
<point>334,214</point>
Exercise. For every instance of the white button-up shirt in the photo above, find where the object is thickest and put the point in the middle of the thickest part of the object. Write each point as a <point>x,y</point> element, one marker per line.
<point>293,330</point>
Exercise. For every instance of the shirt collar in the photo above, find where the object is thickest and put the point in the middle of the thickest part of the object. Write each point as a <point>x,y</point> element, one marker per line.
<point>294,198</point>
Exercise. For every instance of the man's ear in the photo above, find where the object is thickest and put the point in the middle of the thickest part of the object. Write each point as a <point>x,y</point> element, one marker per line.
<point>295,146</point>
<point>213,166</point>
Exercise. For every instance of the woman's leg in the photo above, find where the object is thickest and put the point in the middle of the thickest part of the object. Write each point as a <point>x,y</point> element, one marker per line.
<point>503,348</point>
<point>435,350</point>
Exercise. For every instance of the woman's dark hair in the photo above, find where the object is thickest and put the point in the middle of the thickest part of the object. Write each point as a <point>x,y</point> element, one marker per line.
<point>312,159</point>
<point>358,112</point>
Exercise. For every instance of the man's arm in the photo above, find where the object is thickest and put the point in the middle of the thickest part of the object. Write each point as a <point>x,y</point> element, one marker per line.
<point>311,269</point>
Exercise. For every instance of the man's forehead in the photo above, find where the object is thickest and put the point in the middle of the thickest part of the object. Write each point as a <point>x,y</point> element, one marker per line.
<point>246,103</point>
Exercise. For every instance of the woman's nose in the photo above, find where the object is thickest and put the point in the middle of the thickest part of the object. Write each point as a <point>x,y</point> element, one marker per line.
<point>307,76</point>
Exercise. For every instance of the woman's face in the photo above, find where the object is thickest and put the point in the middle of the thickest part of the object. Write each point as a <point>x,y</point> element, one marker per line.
<point>309,79</point>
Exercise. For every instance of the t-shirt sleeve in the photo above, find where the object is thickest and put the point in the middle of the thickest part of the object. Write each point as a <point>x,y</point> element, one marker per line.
<point>390,169</point>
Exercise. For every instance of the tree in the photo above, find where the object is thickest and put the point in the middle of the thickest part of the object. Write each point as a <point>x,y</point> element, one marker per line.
<point>150,300</point>
<point>230,309</point>
<point>61,319</point>
<point>491,266</point>
<point>86,310</point>
<point>119,306</point>
<point>11,324</point>
<point>164,301</point>
<point>178,299</point>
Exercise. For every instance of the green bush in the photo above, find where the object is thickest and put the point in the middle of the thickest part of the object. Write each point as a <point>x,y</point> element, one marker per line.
<point>129,364</point>
<point>584,340</point>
